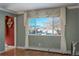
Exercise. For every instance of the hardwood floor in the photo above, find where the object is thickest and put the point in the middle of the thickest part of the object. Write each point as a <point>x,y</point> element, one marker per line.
<point>29,52</point>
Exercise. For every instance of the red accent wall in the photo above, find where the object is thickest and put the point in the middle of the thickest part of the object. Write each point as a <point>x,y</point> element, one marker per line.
<point>9,30</point>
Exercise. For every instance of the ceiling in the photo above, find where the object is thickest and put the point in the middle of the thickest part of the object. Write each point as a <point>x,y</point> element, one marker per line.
<point>19,7</point>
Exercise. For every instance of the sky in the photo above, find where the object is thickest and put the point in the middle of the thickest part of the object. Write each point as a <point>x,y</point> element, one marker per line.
<point>38,22</point>
<point>41,22</point>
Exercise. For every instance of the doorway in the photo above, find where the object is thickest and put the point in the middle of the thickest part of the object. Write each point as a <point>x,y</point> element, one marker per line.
<point>9,32</point>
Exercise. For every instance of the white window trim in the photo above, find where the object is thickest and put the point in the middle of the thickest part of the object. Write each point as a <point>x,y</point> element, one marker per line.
<point>63,40</point>
<point>26,31</point>
<point>63,18</point>
<point>52,30</point>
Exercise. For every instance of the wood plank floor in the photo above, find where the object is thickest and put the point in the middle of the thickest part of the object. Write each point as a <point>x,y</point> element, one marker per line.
<point>29,52</point>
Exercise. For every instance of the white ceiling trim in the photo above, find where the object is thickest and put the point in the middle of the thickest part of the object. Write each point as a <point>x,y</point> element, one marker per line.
<point>73,7</point>
<point>17,8</point>
<point>10,11</point>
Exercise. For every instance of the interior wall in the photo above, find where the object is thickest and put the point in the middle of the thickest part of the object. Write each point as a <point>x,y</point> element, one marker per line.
<point>20,40</point>
<point>71,30</point>
<point>50,42</point>
<point>45,41</point>
<point>72,27</point>
<point>34,41</point>
<point>2,28</point>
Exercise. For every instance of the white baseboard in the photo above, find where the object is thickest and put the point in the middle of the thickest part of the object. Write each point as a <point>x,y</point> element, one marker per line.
<point>50,50</point>
<point>20,47</point>
<point>2,51</point>
<point>68,51</point>
<point>43,49</point>
<point>37,48</point>
<point>12,47</point>
<point>7,49</point>
<point>77,53</point>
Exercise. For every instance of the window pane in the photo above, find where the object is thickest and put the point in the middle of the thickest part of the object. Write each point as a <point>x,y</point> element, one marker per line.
<point>41,26</point>
<point>57,26</point>
<point>32,25</point>
<point>49,25</point>
<point>45,26</point>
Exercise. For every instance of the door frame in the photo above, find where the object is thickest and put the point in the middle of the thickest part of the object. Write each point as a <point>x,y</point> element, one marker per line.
<point>14,34</point>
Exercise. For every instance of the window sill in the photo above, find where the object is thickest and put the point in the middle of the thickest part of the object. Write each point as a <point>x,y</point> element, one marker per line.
<point>42,35</point>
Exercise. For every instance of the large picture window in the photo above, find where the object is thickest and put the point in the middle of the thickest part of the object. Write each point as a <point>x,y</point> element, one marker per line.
<point>45,26</point>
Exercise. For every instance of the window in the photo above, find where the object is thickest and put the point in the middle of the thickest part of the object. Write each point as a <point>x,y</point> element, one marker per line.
<point>45,26</point>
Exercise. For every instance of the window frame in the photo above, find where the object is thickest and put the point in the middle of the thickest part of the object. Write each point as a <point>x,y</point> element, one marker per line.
<point>52,28</point>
